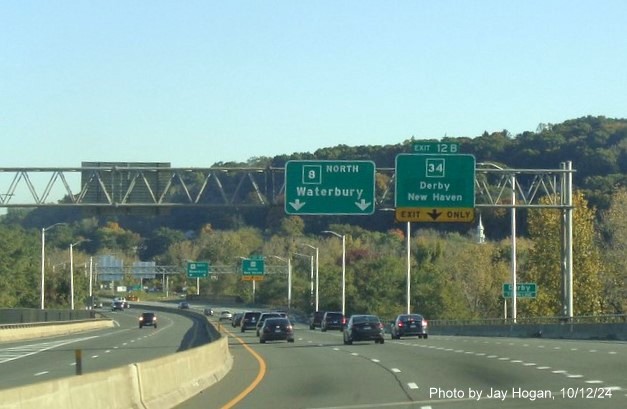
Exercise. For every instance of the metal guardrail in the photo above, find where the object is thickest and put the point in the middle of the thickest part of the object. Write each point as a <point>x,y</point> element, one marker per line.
<point>31,315</point>
<point>586,319</point>
<point>45,324</point>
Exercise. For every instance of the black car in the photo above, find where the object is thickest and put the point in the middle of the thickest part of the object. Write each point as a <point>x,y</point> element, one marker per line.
<point>332,320</point>
<point>148,319</point>
<point>316,320</point>
<point>264,316</point>
<point>184,305</point>
<point>117,306</point>
<point>249,320</point>
<point>276,329</point>
<point>408,325</point>
<point>237,319</point>
<point>364,328</point>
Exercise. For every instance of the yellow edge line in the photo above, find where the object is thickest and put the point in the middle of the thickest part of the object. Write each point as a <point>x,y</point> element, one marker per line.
<point>256,381</point>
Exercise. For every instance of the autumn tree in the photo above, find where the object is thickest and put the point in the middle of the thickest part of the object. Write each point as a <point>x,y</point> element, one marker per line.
<point>545,260</point>
<point>614,243</point>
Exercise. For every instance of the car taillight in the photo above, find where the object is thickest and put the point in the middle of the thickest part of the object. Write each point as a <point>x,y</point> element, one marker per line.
<point>343,320</point>
<point>424,323</point>
<point>400,324</point>
<point>380,325</point>
<point>141,318</point>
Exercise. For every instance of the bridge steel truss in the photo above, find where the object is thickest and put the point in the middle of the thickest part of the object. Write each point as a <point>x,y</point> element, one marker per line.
<point>116,187</point>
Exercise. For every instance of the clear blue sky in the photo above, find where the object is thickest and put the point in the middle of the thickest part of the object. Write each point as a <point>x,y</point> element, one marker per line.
<point>197,82</point>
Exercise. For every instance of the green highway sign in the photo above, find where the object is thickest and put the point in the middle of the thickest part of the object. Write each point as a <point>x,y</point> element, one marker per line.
<point>329,187</point>
<point>197,269</point>
<point>253,269</point>
<point>523,290</point>
<point>429,184</point>
<point>435,147</point>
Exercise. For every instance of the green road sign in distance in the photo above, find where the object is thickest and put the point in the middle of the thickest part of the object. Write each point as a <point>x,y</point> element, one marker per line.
<point>197,269</point>
<point>329,187</point>
<point>435,181</point>
<point>253,266</point>
<point>523,290</point>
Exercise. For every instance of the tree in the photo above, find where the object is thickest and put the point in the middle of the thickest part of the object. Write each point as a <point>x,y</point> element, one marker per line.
<point>614,229</point>
<point>545,261</point>
<point>18,268</point>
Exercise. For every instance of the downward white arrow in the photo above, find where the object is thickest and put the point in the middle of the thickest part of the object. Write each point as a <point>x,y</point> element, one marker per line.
<point>297,204</point>
<point>362,205</point>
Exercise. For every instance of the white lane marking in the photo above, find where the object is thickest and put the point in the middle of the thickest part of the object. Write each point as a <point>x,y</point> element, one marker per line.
<point>107,351</point>
<point>612,353</point>
<point>574,376</point>
<point>529,364</point>
<point>13,353</point>
<point>412,385</point>
<point>395,370</point>
<point>375,360</point>
<point>354,354</point>
<point>95,356</point>
<point>41,373</point>
<point>594,381</point>
<point>492,356</point>
<point>544,367</point>
<point>336,349</point>
<point>503,359</point>
<point>516,361</point>
<point>559,371</point>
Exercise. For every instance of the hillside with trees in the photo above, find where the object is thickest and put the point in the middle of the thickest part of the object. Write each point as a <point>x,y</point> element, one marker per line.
<point>453,276</point>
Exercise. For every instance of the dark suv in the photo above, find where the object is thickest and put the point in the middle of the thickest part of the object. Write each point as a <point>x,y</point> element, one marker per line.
<point>332,320</point>
<point>249,320</point>
<point>316,320</point>
<point>409,324</point>
<point>148,319</point>
<point>117,306</point>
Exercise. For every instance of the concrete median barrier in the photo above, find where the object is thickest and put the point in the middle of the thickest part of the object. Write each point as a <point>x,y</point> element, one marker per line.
<point>115,388</point>
<point>33,331</point>
<point>159,383</point>
<point>169,381</point>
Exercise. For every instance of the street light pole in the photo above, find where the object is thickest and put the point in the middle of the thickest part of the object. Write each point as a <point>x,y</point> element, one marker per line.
<point>343,237</point>
<point>72,271</point>
<point>43,260</point>
<point>311,276</point>
<point>408,268</point>
<point>317,280</point>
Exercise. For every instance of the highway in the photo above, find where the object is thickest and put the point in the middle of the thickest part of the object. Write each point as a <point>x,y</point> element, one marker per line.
<point>319,372</point>
<point>28,362</point>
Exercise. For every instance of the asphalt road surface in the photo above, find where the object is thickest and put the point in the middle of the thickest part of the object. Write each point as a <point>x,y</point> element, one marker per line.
<point>319,372</point>
<point>28,362</point>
